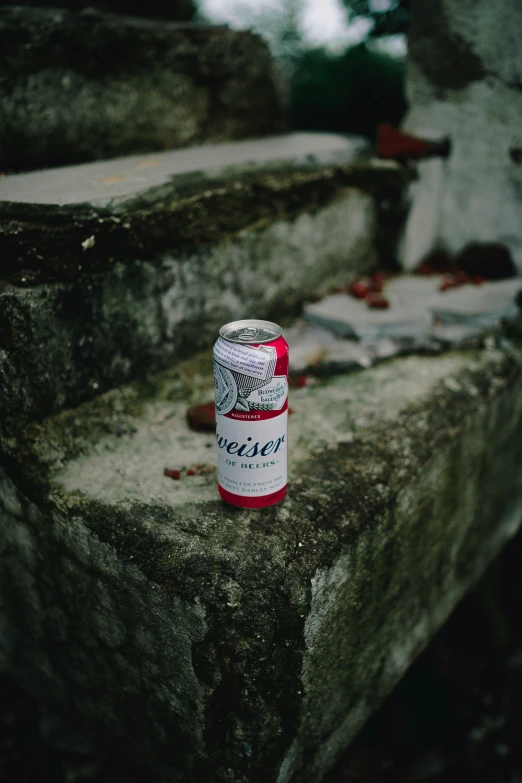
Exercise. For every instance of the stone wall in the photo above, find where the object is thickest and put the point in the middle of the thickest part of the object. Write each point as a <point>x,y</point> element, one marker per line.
<point>465,82</point>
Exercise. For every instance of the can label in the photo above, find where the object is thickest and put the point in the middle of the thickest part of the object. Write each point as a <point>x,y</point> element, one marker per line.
<point>252,456</point>
<point>244,378</point>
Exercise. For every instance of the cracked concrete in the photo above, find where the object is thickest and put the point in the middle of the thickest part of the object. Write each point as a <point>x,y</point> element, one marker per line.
<point>405,482</point>
<point>90,299</point>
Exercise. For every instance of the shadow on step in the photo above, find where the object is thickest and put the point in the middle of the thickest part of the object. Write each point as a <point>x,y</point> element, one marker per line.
<point>456,717</point>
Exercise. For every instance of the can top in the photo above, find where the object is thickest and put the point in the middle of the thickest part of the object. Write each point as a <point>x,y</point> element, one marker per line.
<point>250,331</point>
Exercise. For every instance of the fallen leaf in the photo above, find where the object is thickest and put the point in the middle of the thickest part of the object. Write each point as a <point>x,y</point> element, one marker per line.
<point>202,418</point>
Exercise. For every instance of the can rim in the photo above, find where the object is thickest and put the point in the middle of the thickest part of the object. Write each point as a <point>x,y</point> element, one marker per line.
<point>251,323</point>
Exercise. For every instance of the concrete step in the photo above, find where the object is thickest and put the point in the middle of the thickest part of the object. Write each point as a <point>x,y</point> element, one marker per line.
<point>85,86</point>
<point>206,642</point>
<point>108,268</point>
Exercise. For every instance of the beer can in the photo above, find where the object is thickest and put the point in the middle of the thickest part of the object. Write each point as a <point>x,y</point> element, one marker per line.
<point>251,388</point>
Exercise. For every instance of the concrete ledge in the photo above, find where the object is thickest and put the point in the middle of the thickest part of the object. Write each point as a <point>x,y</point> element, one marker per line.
<point>68,222</point>
<point>64,342</point>
<point>85,86</point>
<point>101,280</point>
<point>123,185</point>
<point>251,646</point>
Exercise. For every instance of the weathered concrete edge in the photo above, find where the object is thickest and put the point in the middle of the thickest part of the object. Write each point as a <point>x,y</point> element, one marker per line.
<point>65,342</point>
<point>121,184</point>
<point>440,557</point>
<point>73,594</point>
<point>354,523</point>
<point>69,244</point>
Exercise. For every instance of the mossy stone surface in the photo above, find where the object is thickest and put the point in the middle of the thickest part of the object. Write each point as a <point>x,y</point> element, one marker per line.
<point>85,86</point>
<point>94,292</point>
<point>108,269</point>
<point>405,481</point>
<point>68,223</point>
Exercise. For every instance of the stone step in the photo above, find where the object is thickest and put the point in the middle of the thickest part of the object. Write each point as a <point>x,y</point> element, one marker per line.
<point>206,642</point>
<point>85,86</point>
<point>108,268</point>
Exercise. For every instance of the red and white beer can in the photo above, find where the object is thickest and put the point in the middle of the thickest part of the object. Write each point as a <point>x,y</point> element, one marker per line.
<point>251,386</point>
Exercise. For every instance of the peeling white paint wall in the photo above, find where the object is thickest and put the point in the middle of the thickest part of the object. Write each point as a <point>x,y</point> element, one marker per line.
<point>475,195</point>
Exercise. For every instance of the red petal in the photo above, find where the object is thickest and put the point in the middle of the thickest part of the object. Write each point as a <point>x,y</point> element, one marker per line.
<point>202,418</point>
<point>359,290</point>
<point>426,269</point>
<point>377,302</point>
<point>461,277</point>
<point>298,381</point>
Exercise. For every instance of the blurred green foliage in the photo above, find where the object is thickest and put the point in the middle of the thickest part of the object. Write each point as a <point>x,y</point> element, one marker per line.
<point>340,75</point>
<point>392,19</point>
<point>350,93</point>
